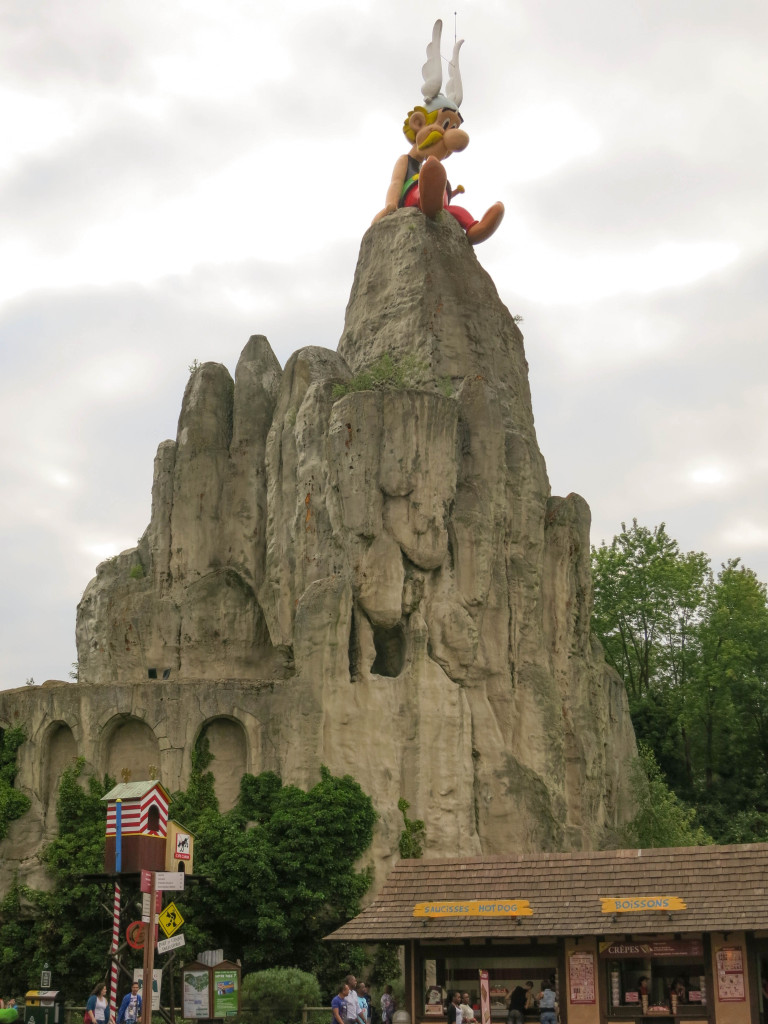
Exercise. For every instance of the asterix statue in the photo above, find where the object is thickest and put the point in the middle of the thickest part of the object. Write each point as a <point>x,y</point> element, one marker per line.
<point>419,178</point>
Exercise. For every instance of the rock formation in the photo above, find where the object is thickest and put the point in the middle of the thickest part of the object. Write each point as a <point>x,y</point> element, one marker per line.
<point>380,582</point>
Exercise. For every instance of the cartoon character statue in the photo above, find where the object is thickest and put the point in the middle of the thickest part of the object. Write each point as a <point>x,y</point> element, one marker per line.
<point>419,178</point>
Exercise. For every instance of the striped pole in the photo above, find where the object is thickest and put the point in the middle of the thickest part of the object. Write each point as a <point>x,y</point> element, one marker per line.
<point>113,974</point>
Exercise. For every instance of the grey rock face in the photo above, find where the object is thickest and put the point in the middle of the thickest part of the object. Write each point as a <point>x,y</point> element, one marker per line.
<point>380,582</point>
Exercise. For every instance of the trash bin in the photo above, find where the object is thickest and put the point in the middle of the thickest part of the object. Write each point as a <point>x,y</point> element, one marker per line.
<point>44,1006</point>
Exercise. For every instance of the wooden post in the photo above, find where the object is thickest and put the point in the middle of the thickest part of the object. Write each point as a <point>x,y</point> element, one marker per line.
<point>171,966</point>
<point>149,956</point>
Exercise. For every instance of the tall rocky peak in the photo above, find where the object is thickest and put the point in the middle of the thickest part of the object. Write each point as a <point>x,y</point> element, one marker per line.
<point>390,561</point>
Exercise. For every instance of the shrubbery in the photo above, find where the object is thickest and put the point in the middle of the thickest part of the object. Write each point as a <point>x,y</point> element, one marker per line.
<point>277,995</point>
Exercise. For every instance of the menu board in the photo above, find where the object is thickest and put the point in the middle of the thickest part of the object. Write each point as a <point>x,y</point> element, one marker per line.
<point>581,977</point>
<point>730,975</point>
<point>196,993</point>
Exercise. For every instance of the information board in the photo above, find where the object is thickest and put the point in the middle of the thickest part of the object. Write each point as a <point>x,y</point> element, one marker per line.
<point>581,978</point>
<point>196,993</point>
<point>730,975</point>
<point>225,992</point>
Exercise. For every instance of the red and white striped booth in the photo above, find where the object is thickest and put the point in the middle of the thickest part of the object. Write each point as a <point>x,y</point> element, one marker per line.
<point>144,816</point>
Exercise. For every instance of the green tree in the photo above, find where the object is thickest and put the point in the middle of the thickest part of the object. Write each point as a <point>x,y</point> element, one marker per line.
<point>74,924</point>
<point>280,871</point>
<point>727,705</point>
<point>692,649</point>
<point>69,926</point>
<point>647,594</point>
<point>12,803</point>
<point>662,819</point>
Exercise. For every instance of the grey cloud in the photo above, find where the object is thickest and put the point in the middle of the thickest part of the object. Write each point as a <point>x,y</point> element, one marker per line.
<point>51,44</point>
<point>642,197</point>
<point>121,164</point>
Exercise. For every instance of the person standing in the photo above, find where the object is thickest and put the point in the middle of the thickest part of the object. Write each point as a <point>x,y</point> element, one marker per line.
<point>353,1008</point>
<point>547,1004</point>
<point>454,1009</point>
<point>97,1009</point>
<point>518,1000</point>
<point>388,1005</point>
<point>339,1005</point>
<point>363,1002</point>
<point>130,1008</point>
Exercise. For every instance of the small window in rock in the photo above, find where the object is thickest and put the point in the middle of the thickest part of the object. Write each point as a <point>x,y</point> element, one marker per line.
<point>166,673</point>
<point>390,651</point>
<point>152,673</point>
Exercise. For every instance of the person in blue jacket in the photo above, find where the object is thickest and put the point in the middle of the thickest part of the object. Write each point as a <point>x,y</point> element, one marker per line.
<point>130,1008</point>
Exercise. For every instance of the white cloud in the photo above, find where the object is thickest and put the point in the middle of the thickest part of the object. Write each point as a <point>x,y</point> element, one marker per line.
<point>708,475</point>
<point>744,534</point>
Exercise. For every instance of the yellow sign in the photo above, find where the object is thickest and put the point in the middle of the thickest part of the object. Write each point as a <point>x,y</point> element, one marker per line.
<point>473,908</point>
<point>625,904</point>
<point>170,920</point>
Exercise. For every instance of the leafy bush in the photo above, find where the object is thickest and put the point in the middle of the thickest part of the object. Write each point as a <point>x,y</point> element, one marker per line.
<point>12,803</point>
<point>662,818</point>
<point>277,995</point>
<point>387,374</point>
<point>411,843</point>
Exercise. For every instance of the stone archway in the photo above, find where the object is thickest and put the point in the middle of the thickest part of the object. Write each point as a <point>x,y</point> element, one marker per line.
<point>59,752</point>
<point>131,746</point>
<point>229,745</point>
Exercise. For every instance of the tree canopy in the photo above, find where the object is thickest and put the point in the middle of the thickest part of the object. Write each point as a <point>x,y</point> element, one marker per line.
<point>692,648</point>
<point>278,875</point>
<point>280,868</point>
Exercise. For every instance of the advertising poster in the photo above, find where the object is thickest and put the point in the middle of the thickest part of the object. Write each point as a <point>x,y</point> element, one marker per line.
<point>225,992</point>
<point>730,975</point>
<point>581,977</point>
<point>434,1003</point>
<point>485,998</point>
<point>196,993</point>
<point>157,980</point>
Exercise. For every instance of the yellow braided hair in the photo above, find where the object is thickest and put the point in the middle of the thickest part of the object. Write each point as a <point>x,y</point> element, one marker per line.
<point>409,133</point>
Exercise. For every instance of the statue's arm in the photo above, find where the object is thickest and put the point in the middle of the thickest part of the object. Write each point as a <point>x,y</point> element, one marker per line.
<point>395,187</point>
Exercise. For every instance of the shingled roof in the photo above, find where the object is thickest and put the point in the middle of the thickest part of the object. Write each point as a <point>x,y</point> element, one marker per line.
<point>725,888</point>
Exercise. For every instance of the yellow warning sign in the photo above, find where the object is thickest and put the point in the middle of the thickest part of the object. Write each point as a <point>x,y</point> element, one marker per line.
<point>170,920</point>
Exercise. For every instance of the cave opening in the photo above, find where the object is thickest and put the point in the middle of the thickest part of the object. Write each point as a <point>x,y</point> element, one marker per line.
<point>390,650</point>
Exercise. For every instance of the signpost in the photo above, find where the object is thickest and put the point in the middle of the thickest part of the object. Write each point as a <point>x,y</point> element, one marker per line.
<point>166,881</point>
<point>145,905</point>
<point>166,945</point>
<point>473,908</point>
<point>149,951</point>
<point>45,977</point>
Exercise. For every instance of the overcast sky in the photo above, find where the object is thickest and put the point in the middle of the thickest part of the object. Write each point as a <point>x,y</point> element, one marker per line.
<point>177,176</point>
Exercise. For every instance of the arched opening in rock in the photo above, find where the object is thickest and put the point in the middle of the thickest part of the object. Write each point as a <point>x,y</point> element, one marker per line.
<point>390,651</point>
<point>130,745</point>
<point>229,746</point>
<point>61,751</point>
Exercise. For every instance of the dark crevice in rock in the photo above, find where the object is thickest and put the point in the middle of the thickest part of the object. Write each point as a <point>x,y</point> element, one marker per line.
<point>390,651</point>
